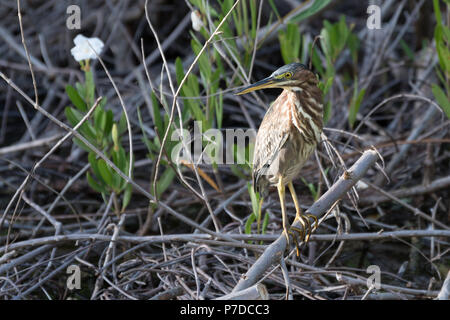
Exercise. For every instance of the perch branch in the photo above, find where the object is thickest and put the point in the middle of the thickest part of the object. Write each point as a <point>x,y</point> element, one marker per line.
<point>275,251</point>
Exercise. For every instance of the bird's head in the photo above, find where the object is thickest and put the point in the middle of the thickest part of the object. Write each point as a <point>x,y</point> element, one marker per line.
<point>290,76</point>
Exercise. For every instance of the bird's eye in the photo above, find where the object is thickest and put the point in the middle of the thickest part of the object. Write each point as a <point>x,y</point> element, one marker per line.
<point>287,75</point>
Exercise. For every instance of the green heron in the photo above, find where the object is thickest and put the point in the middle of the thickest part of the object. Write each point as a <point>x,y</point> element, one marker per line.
<point>287,136</point>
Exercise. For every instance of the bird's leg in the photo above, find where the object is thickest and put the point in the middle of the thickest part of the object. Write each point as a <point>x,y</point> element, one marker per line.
<point>306,229</point>
<point>311,227</point>
<point>298,216</point>
<point>281,191</point>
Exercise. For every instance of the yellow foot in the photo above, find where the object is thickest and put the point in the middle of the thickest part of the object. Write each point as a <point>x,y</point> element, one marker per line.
<point>304,232</point>
<point>314,225</point>
<point>294,237</point>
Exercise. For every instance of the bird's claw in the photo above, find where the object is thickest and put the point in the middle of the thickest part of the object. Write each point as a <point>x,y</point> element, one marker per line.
<point>304,232</point>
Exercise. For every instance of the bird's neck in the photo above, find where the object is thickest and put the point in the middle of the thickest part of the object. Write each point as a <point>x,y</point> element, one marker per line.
<point>310,98</point>
<point>309,108</point>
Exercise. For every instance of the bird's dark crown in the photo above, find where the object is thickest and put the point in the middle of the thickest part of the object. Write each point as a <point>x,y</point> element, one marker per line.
<point>289,76</point>
<point>291,67</point>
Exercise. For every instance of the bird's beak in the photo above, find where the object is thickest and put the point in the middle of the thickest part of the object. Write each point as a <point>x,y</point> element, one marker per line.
<point>269,82</point>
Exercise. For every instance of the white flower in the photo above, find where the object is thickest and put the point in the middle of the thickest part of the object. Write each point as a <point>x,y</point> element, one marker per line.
<point>197,22</point>
<point>86,48</point>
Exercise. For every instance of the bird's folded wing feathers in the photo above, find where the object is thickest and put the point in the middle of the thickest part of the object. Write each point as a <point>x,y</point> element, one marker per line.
<point>272,135</point>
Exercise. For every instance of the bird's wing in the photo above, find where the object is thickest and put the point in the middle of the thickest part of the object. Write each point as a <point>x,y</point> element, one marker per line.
<point>272,135</point>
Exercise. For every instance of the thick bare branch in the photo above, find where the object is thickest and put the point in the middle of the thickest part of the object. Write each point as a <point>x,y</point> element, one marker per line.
<point>275,251</point>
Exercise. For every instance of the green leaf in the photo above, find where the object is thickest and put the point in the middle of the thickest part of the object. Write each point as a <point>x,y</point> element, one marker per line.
<point>105,172</point>
<point>317,63</point>
<point>219,111</point>
<point>179,72</point>
<point>124,162</point>
<point>437,12</point>
<point>74,116</point>
<point>71,116</point>
<point>103,120</point>
<point>313,9</point>
<point>248,224</point>
<point>115,138</point>
<point>93,162</point>
<point>81,89</point>
<point>355,104</point>
<point>328,85</point>
<point>290,41</point>
<point>237,172</point>
<point>100,125</point>
<point>94,185</point>
<point>109,123</point>
<point>127,197</point>
<point>120,159</point>
<point>442,38</point>
<point>441,77</point>
<point>97,115</point>
<point>342,34</point>
<point>203,62</point>
<point>253,14</point>
<point>311,188</point>
<point>122,124</point>
<point>82,145</point>
<point>441,98</point>
<point>165,181</point>
<point>409,53</point>
<point>327,112</point>
<point>116,182</point>
<point>254,197</point>
<point>102,102</point>
<point>334,38</point>
<point>156,115</point>
<point>75,98</point>
<point>325,42</point>
<point>353,45</point>
<point>190,89</point>
<point>274,8</point>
